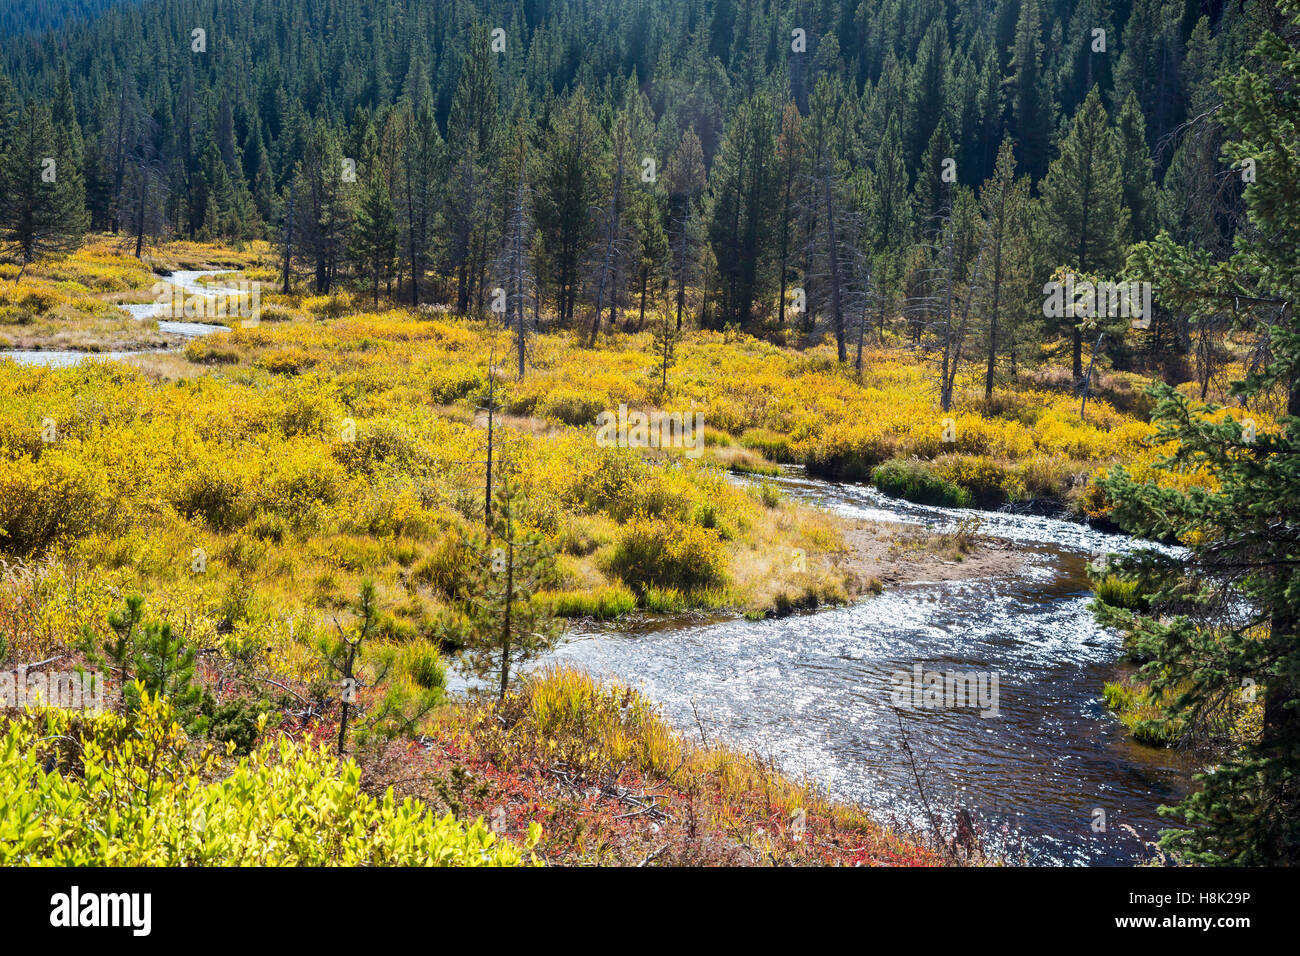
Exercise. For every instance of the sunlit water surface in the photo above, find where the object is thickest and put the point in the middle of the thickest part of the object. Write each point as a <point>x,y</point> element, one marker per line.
<point>815,692</point>
<point>188,281</point>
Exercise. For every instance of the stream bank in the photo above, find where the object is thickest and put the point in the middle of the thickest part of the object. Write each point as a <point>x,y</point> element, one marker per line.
<point>1051,778</point>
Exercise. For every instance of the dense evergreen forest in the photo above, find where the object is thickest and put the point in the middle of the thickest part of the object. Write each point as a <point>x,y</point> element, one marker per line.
<point>760,163</point>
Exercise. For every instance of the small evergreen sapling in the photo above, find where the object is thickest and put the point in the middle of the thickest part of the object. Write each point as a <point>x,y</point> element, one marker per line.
<point>412,678</point>
<point>666,338</point>
<point>148,657</point>
<point>509,625</point>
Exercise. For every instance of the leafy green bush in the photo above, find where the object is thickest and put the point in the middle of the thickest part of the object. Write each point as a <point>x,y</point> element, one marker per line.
<point>914,481</point>
<point>139,799</point>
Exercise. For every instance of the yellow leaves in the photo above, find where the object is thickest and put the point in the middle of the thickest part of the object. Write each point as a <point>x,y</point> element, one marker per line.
<point>60,497</point>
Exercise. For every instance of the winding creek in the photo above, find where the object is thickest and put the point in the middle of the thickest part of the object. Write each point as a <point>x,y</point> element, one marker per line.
<point>188,281</point>
<point>814,691</point>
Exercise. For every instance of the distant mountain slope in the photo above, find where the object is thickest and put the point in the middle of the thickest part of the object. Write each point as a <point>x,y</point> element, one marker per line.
<point>24,16</point>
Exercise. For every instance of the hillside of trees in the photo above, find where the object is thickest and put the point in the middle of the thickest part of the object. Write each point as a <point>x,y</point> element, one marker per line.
<point>840,169</point>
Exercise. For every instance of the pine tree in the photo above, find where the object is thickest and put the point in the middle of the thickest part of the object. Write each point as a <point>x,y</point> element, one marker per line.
<point>148,657</point>
<point>931,85</point>
<point>740,226</point>
<point>686,179</point>
<point>1083,65</point>
<point>890,218</point>
<point>42,209</point>
<point>472,134</point>
<point>1004,201</point>
<point>374,231</point>
<point>566,191</point>
<point>1136,169</point>
<point>324,206</point>
<point>70,151</point>
<point>825,196</point>
<point>1082,204</point>
<point>1226,620</point>
<point>510,625</point>
<point>666,338</point>
<point>404,684</point>
<point>1029,98</point>
<point>791,164</point>
<point>421,163</point>
<point>8,110</point>
<point>931,189</point>
<point>515,262</point>
<point>612,240</point>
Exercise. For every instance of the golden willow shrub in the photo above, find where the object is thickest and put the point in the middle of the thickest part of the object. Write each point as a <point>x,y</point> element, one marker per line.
<point>651,552</point>
<point>60,496</point>
<point>134,796</point>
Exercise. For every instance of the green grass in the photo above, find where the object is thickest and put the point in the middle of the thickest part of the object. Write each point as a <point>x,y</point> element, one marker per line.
<point>604,604</point>
<point>1117,592</point>
<point>1141,714</point>
<point>914,481</point>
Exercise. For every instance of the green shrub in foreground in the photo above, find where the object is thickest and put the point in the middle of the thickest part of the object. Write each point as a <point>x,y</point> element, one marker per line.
<point>133,796</point>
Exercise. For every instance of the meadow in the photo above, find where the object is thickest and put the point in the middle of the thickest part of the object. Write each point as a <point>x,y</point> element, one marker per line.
<point>248,483</point>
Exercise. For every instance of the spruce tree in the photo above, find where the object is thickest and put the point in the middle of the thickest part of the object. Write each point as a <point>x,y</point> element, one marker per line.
<point>1223,632</point>
<point>1135,168</point>
<point>566,192</point>
<point>70,151</point>
<point>1004,201</point>
<point>790,164</point>
<point>686,178</point>
<point>1082,205</point>
<point>740,221</point>
<point>42,207</point>
<point>374,231</point>
<point>1029,98</point>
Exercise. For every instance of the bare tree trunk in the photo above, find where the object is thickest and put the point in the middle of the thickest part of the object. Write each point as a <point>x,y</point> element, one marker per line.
<point>288,238</point>
<point>832,250</point>
<point>611,237</point>
<point>139,210</point>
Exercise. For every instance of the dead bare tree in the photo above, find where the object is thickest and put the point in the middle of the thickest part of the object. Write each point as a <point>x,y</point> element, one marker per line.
<point>515,270</point>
